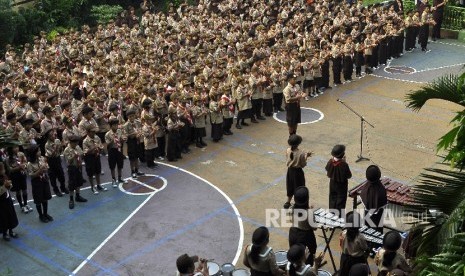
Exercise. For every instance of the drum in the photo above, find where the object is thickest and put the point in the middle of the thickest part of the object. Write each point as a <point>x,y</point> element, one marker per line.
<point>227,269</point>
<point>213,269</point>
<point>322,272</point>
<point>281,259</point>
<point>241,272</point>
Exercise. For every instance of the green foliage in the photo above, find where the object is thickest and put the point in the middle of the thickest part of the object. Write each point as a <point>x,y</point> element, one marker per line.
<point>6,272</point>
<point>104,13</point>
<point>449,88</point>
<point>450,262</point>
<point>442,190</point>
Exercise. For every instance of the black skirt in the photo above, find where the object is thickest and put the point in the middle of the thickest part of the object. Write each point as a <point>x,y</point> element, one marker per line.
<point>18,180</point>
<point>8,218</point>
<point>348,261</point>
<point>200,132</point>
<point>306,238</point>
<point>40,190</point>
<point>244,114</point>
<point>268,106</point>
<point>217,131</point>
<point>295,178</point>
<point>293,113</point>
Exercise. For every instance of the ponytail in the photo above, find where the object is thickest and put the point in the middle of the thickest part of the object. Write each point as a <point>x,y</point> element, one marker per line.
<point>255,253</point>
<point>388,257</point>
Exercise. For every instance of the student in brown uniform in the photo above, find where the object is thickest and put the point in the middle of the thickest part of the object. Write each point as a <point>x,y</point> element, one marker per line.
<point>292,97</point>
<point>296,160</point>
<point>216,117</point>
<point>16,164</point>
<point>73,156</point>
<point>149,132</point>
<point>114,139</point>
<point>53,149</point>
<point>339,173</point>
<point>353,244</point>
<point>132,130</point>
<point>92,146</point>
<point>37,170</point>
<point>199,113</point>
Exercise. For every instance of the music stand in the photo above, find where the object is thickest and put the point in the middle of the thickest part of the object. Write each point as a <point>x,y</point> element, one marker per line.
<point>362,121</point>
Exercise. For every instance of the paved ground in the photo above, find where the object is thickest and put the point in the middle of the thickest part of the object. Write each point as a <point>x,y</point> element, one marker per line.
<point>141,228</point>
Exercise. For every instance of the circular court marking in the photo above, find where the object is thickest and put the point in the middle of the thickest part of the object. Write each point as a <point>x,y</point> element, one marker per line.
<point>399,70</point>
<point>308,116</point>
<point>144,185</point>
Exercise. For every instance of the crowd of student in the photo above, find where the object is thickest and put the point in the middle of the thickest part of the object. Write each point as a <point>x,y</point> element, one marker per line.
<point>155,83</point>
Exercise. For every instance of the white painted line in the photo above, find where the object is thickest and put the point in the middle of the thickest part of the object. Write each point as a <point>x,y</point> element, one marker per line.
<point>111,235</point>
<point>231,203</point>
<point>447,43</point>
<point>441,67</point>
<point>304,123</point>
<point>165,182</point>
<point>388,78</point>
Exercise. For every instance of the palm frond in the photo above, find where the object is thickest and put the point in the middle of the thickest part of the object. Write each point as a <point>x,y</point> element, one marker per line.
<point>442,190</point>
<point>448,88</point>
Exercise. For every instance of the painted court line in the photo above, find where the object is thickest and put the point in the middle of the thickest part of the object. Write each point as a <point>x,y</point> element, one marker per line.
<point>110,236</point>
<point>275,116</point>
<point>152,246</point>
<point>230,204</point>
<point>438,68</point>
<point>388,78</point>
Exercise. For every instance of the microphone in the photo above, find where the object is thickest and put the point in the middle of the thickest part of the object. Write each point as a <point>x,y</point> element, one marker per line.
<point>339,100</point>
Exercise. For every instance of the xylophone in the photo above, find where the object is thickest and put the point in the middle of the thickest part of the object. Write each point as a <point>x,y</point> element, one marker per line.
<point>398,194</point>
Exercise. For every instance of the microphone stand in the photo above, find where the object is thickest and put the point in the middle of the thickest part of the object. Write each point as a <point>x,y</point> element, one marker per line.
<point>362,121</point>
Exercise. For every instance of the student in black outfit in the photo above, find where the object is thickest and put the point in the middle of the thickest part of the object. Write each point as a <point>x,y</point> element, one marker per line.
<point>339,174</point>
<point>8,218</point>
<point>374,197</point>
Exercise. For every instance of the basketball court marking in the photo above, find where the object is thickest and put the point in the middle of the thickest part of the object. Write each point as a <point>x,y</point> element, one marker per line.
<point>396,79</point>
<point>154,190</point>
<point>321,116</point>
<point>228,199</point>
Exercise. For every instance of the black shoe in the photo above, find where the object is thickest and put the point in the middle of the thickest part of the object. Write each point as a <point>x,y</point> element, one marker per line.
<point>199,145</point>
<point>287,205</point>
<point>216,140</point>
<point>244,124</point>
<point>261,118</point>
<point>79,198</point>
<point>203,143</point>
<point>6,237</point>
<point>43,219</point>
<point>64,190</point>
<point>71,204</point>
<point>230,132</point>
<point>238,126</point>
<point>50,218</point>
<point>57,192</point>
<point>227,133</point>
<point>140,173</point>
<point>254,121</point>
<point>280,109</point>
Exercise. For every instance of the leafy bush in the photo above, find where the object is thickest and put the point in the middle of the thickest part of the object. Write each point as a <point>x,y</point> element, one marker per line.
<point>104,13</point>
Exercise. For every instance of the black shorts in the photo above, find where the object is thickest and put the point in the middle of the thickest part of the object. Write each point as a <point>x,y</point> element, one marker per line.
<point>308,83</point>
<point>74,178</point>
<point>115,158</point>
<point>133,148</point>
<point>93,164</point>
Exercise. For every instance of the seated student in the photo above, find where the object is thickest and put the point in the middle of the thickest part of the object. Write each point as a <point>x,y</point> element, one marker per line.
<point>186,266</point>
<point>259,257</point>
<point>388,259</point>
<point>297,266</point>
<point>353,244</point>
